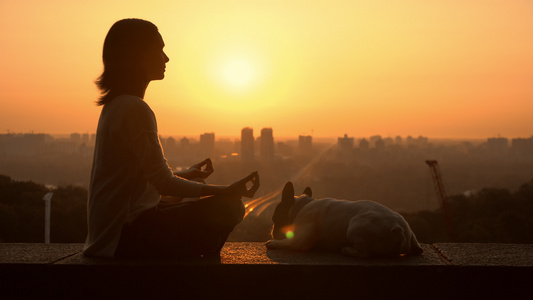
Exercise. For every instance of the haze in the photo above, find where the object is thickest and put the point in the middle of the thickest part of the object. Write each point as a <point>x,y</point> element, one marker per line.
<point>458,69</point>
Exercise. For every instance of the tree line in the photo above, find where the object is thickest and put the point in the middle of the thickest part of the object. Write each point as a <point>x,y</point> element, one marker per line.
<point>491,215</point>
<point>22,212</point>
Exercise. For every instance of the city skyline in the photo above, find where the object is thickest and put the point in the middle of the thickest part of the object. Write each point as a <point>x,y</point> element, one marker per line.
<point>466,165</point>
<point>297,137</point>
<point>267,141</point>
<point>443,69</point>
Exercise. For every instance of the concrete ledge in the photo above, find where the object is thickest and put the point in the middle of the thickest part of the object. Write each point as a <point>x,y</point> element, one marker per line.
<point>249,270</point>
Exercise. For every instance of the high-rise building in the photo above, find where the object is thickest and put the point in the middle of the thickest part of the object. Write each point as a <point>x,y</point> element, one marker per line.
<point>247,144</point>
<point>522,147</point>
<point>85,138</point>
<point>373,139</point>
<point>345,144</point>
<point>398,140</point>
<point>305,144</point>
<point>379,144</point>
<point>497,145</point>
<point>184,142</point>
<point>267,144</point>
<point>364,144</point>
<point>75,138</point>
<point>207,144</point>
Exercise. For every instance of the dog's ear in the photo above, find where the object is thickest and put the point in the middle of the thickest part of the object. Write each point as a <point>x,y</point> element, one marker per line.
<point>288,193</point>
<point>308,192</point>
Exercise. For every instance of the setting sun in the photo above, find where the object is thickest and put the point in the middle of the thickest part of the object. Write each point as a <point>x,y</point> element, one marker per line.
<point>238,72</point>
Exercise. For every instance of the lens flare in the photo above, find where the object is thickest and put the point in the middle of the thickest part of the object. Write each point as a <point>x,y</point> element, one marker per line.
<point>289,234</point>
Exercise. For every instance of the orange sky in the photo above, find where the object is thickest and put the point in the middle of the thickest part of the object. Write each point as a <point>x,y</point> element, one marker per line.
<point>443,68</point>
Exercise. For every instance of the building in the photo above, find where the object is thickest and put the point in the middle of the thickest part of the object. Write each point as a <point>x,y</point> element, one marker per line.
<point>374,139</point>
<point>207,144</point>
<point>523,147</point>
<point>497,145</point>
<point>247,144</point>
<point>364,144</point>
<point>345,144</point>
<point>267,144</point>
<point>379,144</point>
<point>305,144</point>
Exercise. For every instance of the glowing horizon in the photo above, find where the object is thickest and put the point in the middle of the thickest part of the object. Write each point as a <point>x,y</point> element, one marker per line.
<point>441,69</point>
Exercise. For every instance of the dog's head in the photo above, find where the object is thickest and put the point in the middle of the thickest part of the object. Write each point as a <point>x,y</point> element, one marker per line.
<point>287,210</point>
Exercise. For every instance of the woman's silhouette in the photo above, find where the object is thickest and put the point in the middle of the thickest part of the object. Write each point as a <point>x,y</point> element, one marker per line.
<point>126,217</point>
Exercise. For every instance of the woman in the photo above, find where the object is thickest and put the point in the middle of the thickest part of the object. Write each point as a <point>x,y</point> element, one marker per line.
<point>130,174</point>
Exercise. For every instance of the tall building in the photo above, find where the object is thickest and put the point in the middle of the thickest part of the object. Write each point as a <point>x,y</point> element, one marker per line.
<point>498,145</point>
<point>85,138</point>
<point>364,144</point>
<point>373,139</point>
<point>267,144</point>
<point>305,144</point>
<point>379,144</point>
<point>345,144</point>
<point>75,138</point>
<point>207,144</point>
<point>398,140</point>
<point>247,144</point>
<point>184,142</point>
<point>522,147</point>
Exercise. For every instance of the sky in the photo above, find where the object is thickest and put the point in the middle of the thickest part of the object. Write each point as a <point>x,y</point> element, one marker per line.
<point>442,68</point>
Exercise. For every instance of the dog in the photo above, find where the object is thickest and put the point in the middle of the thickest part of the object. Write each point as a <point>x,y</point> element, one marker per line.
<point>361,229</point>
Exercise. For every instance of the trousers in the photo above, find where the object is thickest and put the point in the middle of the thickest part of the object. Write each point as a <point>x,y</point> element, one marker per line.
<point>195,228</point>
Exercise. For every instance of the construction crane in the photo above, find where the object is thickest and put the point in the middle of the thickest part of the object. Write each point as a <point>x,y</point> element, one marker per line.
<point>441,194</point>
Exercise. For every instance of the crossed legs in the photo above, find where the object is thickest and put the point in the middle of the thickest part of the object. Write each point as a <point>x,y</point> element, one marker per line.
<point>184,229</point>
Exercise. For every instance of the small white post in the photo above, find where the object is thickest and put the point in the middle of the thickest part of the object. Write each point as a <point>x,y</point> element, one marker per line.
<point>47,205</point>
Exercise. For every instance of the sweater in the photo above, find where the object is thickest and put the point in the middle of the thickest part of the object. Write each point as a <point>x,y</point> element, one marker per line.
<point>129,173</point>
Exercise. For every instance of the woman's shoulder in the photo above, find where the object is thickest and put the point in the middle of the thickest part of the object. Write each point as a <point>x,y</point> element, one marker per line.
<point>128,111</point>
<point>129,103</point>
<point>128,100</point>
<point>127,107</point>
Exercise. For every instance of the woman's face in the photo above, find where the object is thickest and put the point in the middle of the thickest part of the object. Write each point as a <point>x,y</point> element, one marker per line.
<point>154,60</point>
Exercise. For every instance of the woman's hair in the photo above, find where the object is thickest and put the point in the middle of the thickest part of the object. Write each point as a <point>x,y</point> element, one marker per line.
<point>124,45</point>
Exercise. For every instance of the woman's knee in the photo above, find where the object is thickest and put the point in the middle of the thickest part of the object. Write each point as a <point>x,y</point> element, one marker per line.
<point>236,206</point>
<point>231,209</point>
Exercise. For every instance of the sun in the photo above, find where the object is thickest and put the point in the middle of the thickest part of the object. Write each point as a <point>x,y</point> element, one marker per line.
<point>238,72</point>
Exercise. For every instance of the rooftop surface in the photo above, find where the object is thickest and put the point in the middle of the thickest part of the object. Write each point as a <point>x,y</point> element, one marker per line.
<point>249,270</point>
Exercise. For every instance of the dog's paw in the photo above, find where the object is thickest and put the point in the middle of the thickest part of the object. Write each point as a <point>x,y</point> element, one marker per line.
<point>416,249</point>
<point>272,244</point>
<point>351,251</point>
<point>269,243</point>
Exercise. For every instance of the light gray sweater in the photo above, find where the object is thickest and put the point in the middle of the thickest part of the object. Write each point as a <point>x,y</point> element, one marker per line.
<point>129,173</point>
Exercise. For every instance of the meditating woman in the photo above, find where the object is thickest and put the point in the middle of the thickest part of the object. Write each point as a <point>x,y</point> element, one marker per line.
<point>126,217</point>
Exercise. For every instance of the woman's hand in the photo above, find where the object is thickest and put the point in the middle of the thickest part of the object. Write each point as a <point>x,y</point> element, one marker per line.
<point>196,172</point>
<point>239,187</point>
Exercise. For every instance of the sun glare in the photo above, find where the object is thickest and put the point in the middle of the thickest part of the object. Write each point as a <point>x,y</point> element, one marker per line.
<point>238,72</point>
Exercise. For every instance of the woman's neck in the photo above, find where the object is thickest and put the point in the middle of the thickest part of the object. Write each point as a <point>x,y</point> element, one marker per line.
<point>134,89</point>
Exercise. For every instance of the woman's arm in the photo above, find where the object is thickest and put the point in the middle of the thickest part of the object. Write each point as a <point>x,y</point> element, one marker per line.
<point>196,173</point>
<point>155,169</point>
<point>238,188</point>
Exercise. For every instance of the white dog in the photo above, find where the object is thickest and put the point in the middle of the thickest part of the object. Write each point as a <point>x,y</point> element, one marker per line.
<point>357,228</point>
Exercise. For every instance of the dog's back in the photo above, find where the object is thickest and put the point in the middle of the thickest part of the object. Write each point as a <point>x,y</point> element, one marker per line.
<point>332,217</point>
<point>362,224</point>
<point>360,228</point>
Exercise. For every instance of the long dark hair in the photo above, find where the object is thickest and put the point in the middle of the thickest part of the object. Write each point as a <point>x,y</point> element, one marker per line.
<point>124,44</point>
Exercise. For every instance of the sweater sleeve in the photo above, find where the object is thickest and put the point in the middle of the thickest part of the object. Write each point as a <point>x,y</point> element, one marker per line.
<point>149,156</point>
